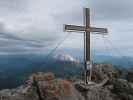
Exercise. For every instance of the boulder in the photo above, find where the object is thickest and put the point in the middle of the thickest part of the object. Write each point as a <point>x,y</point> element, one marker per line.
<point>59,90</point>
<point>122,89</point>
<point>129,75</point>
<point>101,71</point>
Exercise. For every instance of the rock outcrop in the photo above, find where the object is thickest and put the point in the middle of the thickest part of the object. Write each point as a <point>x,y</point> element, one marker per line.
<point>45,86</point>
<point>101,71</point>
<point>129,75</point>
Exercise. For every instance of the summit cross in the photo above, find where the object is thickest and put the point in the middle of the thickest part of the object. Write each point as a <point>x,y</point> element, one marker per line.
<point>86,29</point>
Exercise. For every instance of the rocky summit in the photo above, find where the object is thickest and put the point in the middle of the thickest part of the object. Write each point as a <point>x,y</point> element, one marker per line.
<point>45,86</point>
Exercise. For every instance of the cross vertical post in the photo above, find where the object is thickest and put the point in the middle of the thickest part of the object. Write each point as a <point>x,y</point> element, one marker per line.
<point>87,47</point>
<point>86,29</point>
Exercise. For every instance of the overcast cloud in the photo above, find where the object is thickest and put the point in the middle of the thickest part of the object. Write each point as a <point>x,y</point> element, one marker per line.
<point>117,16</point>
<point>32,25</point>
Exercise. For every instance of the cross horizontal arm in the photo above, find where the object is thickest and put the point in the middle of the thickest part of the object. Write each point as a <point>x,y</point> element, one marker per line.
<point>100,30</point>
<point>74,28</point>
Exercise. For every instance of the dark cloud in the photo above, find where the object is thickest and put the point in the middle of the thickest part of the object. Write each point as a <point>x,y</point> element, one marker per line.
<point>11,42</point>
<point>13,39</point>
<point>8,45</point>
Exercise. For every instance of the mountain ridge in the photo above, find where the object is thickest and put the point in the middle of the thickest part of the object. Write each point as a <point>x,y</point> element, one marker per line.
<point>46,86</point>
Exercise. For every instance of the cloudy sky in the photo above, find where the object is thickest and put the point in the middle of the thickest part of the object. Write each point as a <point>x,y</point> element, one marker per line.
<point>37,25</point>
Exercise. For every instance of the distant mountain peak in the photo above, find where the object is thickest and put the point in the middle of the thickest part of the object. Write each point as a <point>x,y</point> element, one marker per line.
<point>66,57</point>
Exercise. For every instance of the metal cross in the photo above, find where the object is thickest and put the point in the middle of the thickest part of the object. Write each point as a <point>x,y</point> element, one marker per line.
<point>87,48</point>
